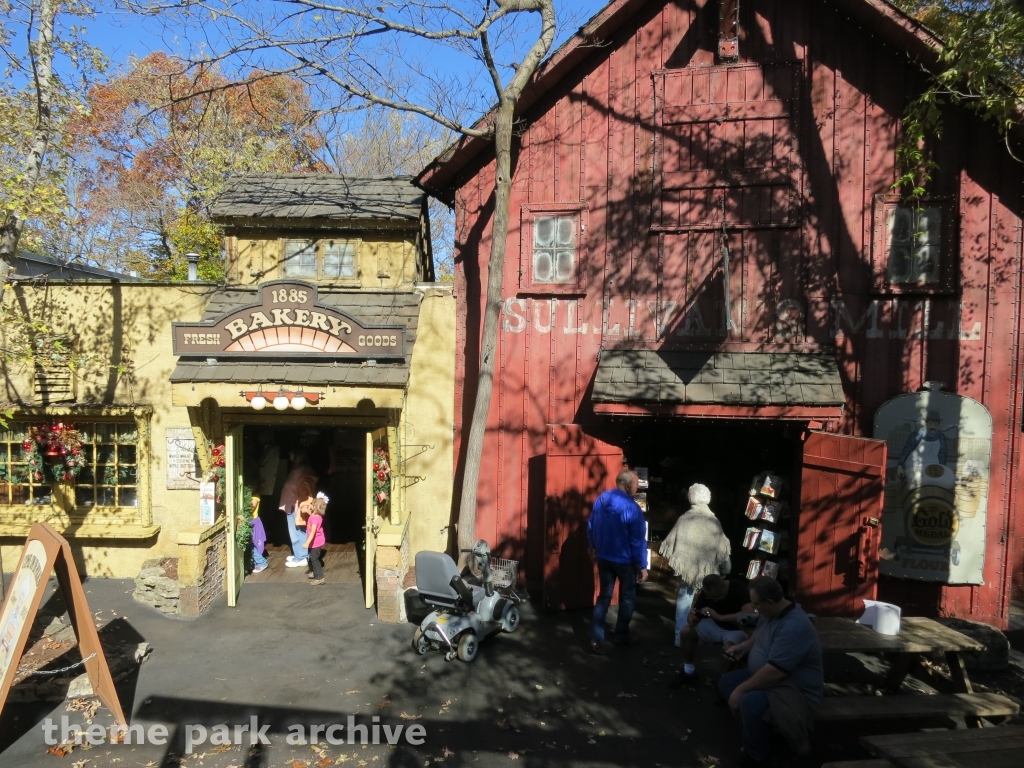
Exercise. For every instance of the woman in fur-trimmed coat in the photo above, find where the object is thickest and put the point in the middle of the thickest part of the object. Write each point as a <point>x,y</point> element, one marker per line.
<point>695,547</point>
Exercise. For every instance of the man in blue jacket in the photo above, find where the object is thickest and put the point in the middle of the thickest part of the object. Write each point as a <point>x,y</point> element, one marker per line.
<point>617,533</point>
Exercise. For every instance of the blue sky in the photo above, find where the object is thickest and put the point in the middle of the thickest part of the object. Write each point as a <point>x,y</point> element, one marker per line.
<point>120,35</point>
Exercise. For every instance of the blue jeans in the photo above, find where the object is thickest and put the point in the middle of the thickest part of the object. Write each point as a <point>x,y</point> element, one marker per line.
<point>258,559</point>
<point>608,572</point>
<point>298,539</point>
<point>753,706</point>
<point>684,599</point>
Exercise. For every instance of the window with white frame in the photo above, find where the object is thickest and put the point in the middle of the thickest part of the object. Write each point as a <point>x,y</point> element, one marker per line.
<point>300,258</point>
<point>913,245</point>
<point>339,260</point>
<point>554,254</point>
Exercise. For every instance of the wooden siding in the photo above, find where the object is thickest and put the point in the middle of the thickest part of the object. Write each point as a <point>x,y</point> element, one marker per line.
<point>801,243</point>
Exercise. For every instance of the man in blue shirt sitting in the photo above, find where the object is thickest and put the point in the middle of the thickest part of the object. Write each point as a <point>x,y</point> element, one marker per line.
<point>617,533</point>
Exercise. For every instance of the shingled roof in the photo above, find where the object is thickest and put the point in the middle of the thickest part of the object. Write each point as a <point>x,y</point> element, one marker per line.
<point>373,308</point>
<point>718,378</point>
<point>312,196</point>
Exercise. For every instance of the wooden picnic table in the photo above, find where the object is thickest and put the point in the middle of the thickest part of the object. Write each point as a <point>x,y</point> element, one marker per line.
<point>991,747</point>
<point>906,652</point>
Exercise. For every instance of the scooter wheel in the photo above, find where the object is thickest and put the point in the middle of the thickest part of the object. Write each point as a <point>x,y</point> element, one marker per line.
<point>511,621</point>
<point>420,644</point>
<point>468,646</point>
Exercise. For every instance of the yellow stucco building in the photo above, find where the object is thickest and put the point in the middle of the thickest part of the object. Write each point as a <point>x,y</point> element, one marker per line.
<point>328,337</point>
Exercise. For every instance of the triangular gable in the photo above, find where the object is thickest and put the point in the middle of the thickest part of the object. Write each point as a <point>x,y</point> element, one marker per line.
<point>439,178</point>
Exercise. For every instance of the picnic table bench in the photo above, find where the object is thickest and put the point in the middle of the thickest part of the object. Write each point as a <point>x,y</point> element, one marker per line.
<point>989,747</point>
<point>906,652</point>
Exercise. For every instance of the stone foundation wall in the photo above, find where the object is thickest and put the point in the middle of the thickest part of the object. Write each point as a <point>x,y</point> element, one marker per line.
<point>157,584</point>
<point>390,566</point>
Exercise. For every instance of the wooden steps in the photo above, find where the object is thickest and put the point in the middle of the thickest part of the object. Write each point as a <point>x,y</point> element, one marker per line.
<point>912,706</point>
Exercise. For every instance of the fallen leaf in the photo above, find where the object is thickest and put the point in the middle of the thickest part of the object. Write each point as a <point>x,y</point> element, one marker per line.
<point>383,705</point>
<point>503,724</point>
<point>80,763</point>
<point>351,692</point>
<point>407,716</point>
<point>709,760</point>
<point>539,687</point>
<point>323,763</point>
<point>626,695</point>
<point>447,703</point>
<point>513,755</point>
<point>57,751</point>
<point>340,759</point>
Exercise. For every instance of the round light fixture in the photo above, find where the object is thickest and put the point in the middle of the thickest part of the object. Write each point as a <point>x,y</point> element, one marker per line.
<point>259,402</point>
<point>281,402</point>
<point>298,402</point>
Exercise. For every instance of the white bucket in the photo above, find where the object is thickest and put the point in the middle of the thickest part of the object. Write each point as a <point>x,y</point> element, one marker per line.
<point>884,618</point>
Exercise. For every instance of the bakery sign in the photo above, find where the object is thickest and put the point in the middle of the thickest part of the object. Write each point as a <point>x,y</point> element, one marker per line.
<point>288,321</point>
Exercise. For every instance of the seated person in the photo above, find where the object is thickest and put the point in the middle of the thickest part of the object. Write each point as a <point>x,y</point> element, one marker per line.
<point>713,618</point>
<point>784,678</point>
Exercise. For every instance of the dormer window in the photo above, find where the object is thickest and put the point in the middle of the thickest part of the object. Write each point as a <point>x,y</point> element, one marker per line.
<point>339,260</point>
<point>324,260</point>
<point>300,258</point>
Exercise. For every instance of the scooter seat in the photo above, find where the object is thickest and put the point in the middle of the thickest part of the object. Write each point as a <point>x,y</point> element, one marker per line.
<point>434,573</point>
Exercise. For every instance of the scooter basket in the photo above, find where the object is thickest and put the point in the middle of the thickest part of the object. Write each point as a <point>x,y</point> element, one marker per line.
<point>505,572</point>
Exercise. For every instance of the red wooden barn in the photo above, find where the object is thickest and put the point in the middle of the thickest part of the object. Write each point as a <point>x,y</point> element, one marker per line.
<point>709,277</point>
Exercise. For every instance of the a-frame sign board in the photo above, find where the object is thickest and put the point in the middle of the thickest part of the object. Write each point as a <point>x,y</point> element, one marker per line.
<point>46,551</point>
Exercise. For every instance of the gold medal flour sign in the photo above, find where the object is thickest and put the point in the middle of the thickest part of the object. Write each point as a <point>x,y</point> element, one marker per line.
<point>936,490</point>
<point>288,321</point>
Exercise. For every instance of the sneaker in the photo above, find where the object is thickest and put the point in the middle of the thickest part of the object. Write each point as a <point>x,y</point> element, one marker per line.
<point>259,568</point>
<point>295,563</point>
<point>317,582</point>
<point>290,558</point>
<point>310,575</point>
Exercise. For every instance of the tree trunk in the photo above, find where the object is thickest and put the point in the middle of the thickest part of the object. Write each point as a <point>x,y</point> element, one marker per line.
<point>41,54</point>
<point>495,274</point>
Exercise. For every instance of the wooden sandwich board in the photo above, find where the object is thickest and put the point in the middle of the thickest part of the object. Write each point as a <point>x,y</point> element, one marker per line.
<point>47,551</point>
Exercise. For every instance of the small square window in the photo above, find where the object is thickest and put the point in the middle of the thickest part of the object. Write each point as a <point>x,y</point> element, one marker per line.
<point>554,249</point>
<point>300,258</point>
<point>914,245</point>
<point>339,261</point>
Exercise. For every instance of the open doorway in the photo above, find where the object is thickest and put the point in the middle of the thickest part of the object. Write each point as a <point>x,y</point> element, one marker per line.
<point>725,456</point>
<point>337,457</point>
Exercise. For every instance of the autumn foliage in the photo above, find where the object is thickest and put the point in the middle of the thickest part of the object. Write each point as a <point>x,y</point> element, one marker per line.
<point>160,140</point>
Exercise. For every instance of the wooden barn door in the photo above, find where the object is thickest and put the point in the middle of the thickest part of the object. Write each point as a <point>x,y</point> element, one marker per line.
<point>838,528</point>
<point>728,176</point>
<point>578,468</point>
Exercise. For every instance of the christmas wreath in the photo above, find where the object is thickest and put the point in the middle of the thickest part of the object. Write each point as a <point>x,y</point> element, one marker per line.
<point>218,471</point>
<point>54,452</point>
<point>381,477</point>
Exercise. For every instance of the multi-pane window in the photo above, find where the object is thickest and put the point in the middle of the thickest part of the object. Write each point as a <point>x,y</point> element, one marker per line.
<point>914,245</point>
<point>105,470</point>
<point>554,249</point>
<point>339,260</point>
<point>109,476</point>
<point>24,476</point>
<point>300,258</point>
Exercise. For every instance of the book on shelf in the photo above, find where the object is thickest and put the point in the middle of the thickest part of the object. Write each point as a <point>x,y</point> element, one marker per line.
<point>752,538</point>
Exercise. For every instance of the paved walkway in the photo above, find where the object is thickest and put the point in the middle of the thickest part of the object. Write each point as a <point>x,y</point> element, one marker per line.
<point>294,654</point>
